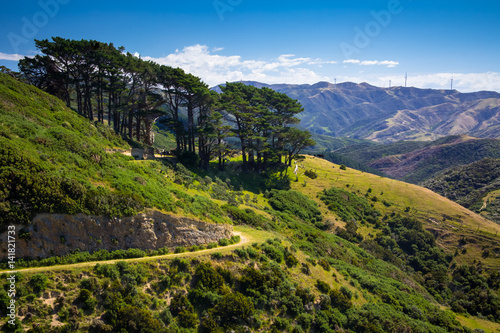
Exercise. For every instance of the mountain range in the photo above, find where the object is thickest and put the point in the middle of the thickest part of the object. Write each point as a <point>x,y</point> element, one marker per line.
<point>363,111</point>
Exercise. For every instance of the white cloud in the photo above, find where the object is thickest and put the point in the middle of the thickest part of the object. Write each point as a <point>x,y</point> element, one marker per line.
<point>463,82</point>
<point>351,61</point>
<point>388,63</point>
<point>11,57</point>
<point>217,49</point>
<point>467,82</point>
<point>214,69</point>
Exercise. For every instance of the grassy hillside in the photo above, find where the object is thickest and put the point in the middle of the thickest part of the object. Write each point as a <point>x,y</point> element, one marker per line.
<point>448,219</point>
<point>328,249</point>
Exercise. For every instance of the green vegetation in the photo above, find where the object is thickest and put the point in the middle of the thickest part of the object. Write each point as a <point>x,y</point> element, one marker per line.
<point>427,159</point>
<point>295,204</point>
<point>450,155</point>
<point>473,186</point>
<point>349,206</point>
<point>405,243</point>
<point>57,163</point>
<point>255,288</point>
<point>365,153</point>
<point>349,251</point>
<point>46,167</point>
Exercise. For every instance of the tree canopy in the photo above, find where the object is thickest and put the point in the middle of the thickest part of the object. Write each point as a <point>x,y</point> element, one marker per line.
<point>106,84</point>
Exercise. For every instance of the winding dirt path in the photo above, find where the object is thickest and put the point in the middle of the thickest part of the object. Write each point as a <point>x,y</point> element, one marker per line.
<point>245,239</point>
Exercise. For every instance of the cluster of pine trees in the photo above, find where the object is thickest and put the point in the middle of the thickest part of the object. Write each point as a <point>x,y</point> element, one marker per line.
<point>105,84</point>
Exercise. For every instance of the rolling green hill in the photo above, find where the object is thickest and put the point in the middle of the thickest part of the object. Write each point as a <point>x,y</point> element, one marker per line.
<point>328,249</point>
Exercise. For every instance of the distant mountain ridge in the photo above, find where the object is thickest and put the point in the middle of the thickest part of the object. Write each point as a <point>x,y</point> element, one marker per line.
<point>363,111</point>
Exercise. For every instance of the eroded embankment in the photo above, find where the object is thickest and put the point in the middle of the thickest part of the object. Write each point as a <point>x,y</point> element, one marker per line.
<point>60,234</point>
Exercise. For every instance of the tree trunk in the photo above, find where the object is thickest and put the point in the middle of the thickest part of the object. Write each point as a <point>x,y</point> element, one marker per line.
<point>138,128</point>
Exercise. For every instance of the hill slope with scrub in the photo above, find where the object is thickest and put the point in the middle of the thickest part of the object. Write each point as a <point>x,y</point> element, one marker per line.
<point>411,161</point>
<point>475,186</point>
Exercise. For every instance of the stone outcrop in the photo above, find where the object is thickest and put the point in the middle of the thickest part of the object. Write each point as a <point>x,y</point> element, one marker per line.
<point>59,234</point>
<point>143,154</point>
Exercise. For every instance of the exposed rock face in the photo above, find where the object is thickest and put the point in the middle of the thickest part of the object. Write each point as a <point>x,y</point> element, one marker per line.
<point>59,234</point>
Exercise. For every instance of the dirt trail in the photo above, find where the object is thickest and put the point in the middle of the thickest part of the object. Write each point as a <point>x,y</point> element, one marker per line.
<point>244,239</point>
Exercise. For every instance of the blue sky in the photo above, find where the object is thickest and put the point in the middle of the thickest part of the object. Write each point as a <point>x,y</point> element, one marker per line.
<point>281,41</point>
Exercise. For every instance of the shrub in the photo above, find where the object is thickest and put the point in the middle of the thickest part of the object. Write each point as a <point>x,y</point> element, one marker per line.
<point>106,270</point>
<point>181,264</point>
<point>348,206</point>
<point>166,317</point>
<point>223,242</point>
<point>194,248</point>
<point>38,283</point>
<point>306,269</point>
<point>346,292</point>
<point>217,255</point>
<point>180,249</point>
<point>311,174</point>
<point>290,260</point>
<point>242,253</point>
<point>133,319</point>
<point>296,204</point>
<point>275,253</point>
<point>305,320</point>
<point>339,300</point>
<point>247,216</point>
<point>233,309</point>
<point>89,284</point>
<point>187,319</point>
<point>235,239</point>
<point>180,303</point>
<point>323,263</point>
<point>323,286</point>
<point>90,304</point>
<point>252,253</point>
<point>208,278</point>
<point>84,295</point>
